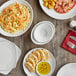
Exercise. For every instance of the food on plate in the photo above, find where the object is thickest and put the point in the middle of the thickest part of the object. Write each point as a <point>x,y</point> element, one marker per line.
<point>35,57</point>
<point>64,6</point>
<point>47,54</point>
<point>49,3</point>
<point>14,18</point>
<point>31,61</point>
<point>37,54</point>
<point>42,55</point>
<point>30,67</point>
<point>43,68</point>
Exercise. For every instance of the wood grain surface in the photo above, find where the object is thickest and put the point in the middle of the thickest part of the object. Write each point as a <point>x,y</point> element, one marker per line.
<point>24,42</point>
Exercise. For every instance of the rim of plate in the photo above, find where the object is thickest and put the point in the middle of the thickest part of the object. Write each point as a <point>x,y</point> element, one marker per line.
<point>24,60</point>
<point>32,33</point>
<point>63,68</point>
<point>21,32</point>
<point>52,13</point>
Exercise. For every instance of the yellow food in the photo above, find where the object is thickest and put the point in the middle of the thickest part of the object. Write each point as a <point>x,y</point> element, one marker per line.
<point>46,4</point>
<point>29,66</point>
<point>49,3</point>
<point>43,68</point>
<point>31,61</point>
<point>46,52</point>
<point>35,57</point>
<point>37,54</point>
<point>42,55</point>
<point>15,18</point>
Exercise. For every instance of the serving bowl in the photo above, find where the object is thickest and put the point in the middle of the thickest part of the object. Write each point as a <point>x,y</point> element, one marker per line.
<point>23,2</point>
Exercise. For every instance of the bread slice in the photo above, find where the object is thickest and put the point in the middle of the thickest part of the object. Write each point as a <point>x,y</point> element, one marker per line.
<point>42,55</point>
<point>31,61</point>
<point>47,54</point>
<point>33,57</point>
<point>37,54</point>
<point>30,67</point>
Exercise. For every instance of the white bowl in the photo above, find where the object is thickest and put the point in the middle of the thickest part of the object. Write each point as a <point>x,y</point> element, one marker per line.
<point>8,3</point>
<point>42,32</point>
<point>52,13</point>
<point>49,74</point>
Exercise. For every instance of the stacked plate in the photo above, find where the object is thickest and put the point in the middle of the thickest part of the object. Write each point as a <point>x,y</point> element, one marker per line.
<point>43,32</point>
<point>9,55</point>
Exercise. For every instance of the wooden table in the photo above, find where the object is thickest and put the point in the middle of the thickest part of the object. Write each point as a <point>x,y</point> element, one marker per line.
<point>24,42</point>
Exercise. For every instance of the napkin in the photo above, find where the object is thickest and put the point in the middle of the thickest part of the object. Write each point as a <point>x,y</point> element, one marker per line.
<point>67,39</point>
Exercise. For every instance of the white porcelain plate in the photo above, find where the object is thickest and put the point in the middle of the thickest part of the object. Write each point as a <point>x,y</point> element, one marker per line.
<point>51,61</point>
<point>52,13</point>
<point>9,56</point>
<point>42,32</point>
<point>68,70</point>
<point>6,4</point>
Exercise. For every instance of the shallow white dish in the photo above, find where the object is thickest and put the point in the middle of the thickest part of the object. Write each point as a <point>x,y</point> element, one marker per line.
<point>42,32</point>
<point>52,13</point>
<point>68,70</point>
<point>6,4</point>
<point>52,61</point>
<point>9,56</point>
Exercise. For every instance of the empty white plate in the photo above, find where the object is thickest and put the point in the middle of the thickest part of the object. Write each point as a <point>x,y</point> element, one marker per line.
<point>68,70</point>
<point>9,56</point>
<point>43,32</point>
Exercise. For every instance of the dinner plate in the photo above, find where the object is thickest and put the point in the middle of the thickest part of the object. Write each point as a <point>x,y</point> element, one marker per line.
<point>9,56</point>
<point>68,70</point>
<point>8,3</point>
<point>52,61</point>
<point>52,13</point>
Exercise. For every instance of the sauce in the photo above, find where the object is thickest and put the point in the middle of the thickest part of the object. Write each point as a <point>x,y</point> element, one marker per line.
<point>43,68</point>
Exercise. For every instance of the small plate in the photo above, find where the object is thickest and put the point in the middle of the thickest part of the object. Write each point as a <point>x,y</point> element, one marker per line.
<point>52,13</point>
<point>52,61</point>
<point>8,3</point>
<point>42,32</point>
<point>68,70</point>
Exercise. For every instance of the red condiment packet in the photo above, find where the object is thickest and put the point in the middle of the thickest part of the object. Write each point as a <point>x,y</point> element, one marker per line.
<point>67,39</point>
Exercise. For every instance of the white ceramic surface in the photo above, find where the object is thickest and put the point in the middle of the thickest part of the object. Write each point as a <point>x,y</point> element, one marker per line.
<point>42,32</point>
<point>9,56</point>
<point>68,70</point>
<point>52,13</point>
<point>6,4</point>
<point>52,61</point>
